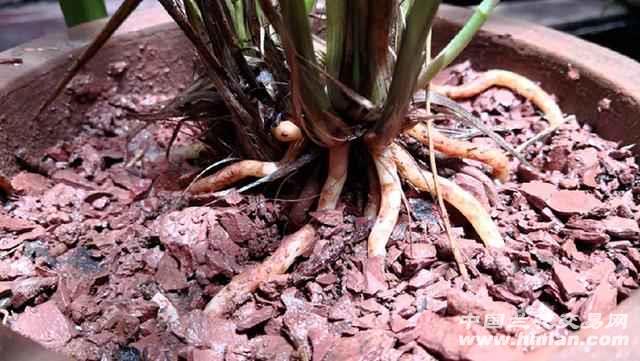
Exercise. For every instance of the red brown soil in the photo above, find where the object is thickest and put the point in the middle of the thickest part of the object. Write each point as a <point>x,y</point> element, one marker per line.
<point>102,259</point>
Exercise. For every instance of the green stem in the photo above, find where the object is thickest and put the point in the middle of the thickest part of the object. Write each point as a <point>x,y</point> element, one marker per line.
<point>309,5</point>
<point>81,11</point>
<point>411,57</point>
<point>427,61</point>
<point>237,12</point>
<point>194,15</point>
<point>336,22</point>
<point>458,43</point>
<point>241,22</point>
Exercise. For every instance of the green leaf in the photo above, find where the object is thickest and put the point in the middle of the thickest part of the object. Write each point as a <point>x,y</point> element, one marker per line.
<point>309,5</point>
<point>236,8</point>
<point>458,43</point>
<point>336,23</point>
<point>194,16</point>
<point>81,11</point>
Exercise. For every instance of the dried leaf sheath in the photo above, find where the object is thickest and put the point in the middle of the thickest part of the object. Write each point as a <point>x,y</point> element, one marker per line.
<point>254,143</point>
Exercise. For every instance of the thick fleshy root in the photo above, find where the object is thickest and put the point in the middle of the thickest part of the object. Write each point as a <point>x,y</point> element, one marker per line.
<point>232,174</point>
<point>518,84</point>
<point>495,158</point>
<point>390,204</point>
<point>388,161</point>
<point>487,183</point>
<point>299,211</point>
<point>293,246</point>
<point>507,79</point>
<point>336,177</point>
<point>241,286</point>
<point>287,132</point>
<point>462,200</point>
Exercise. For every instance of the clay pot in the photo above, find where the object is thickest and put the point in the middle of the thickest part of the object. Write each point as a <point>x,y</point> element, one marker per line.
<point>606,95</point>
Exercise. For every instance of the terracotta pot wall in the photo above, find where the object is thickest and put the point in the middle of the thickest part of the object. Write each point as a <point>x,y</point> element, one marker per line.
<point>149,53</point>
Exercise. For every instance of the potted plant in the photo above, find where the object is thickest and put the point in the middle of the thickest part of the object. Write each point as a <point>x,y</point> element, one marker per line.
<point>340,102</point>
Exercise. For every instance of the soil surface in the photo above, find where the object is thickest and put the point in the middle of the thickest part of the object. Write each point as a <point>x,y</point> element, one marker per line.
<point>102,257</point>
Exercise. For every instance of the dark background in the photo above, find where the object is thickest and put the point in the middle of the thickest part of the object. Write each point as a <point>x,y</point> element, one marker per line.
<point>611,23</point>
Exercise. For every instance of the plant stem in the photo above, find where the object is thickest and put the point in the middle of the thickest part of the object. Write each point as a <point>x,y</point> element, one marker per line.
<point>194,15</point>
<point>408,64</point>
<point>458,43</point>
<point>81,11</point>
<point>236,8</point>
<point>427,61</point>
<point>309,5</point>
<point>336,23</point>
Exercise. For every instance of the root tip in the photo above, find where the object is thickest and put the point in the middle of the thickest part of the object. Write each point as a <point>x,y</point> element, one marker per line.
<point>374,275</point>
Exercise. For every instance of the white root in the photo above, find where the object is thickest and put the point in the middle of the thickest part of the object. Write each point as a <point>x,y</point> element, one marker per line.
<point>390,202</point>
<point>518,84</point>
<point>462,200</point>
<point>232,174</point>
<point>336,177</point>
<point>243,169</point>
<point>388,212</point>
<point>286,132</point>
<point>292,246</point>
<point>495,158</point>
<point>241,286</point>
<point>388,161</point>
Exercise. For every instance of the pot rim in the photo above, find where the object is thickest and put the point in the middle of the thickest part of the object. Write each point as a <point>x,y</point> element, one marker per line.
<point>589,58</point>
<point>45,53</point>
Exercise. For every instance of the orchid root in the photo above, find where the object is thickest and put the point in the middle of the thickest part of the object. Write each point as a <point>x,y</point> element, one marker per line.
<point>336,177</point>
<point>388,161</point>
<point>373,195</point>
<point>390,204</point>
<point>286,132</point>
<point>462,200</point>
<point>293,246</point>
<point>495,158</point>
<point>241,286</point>
<point>516,83</point>
<point>232,174</point>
